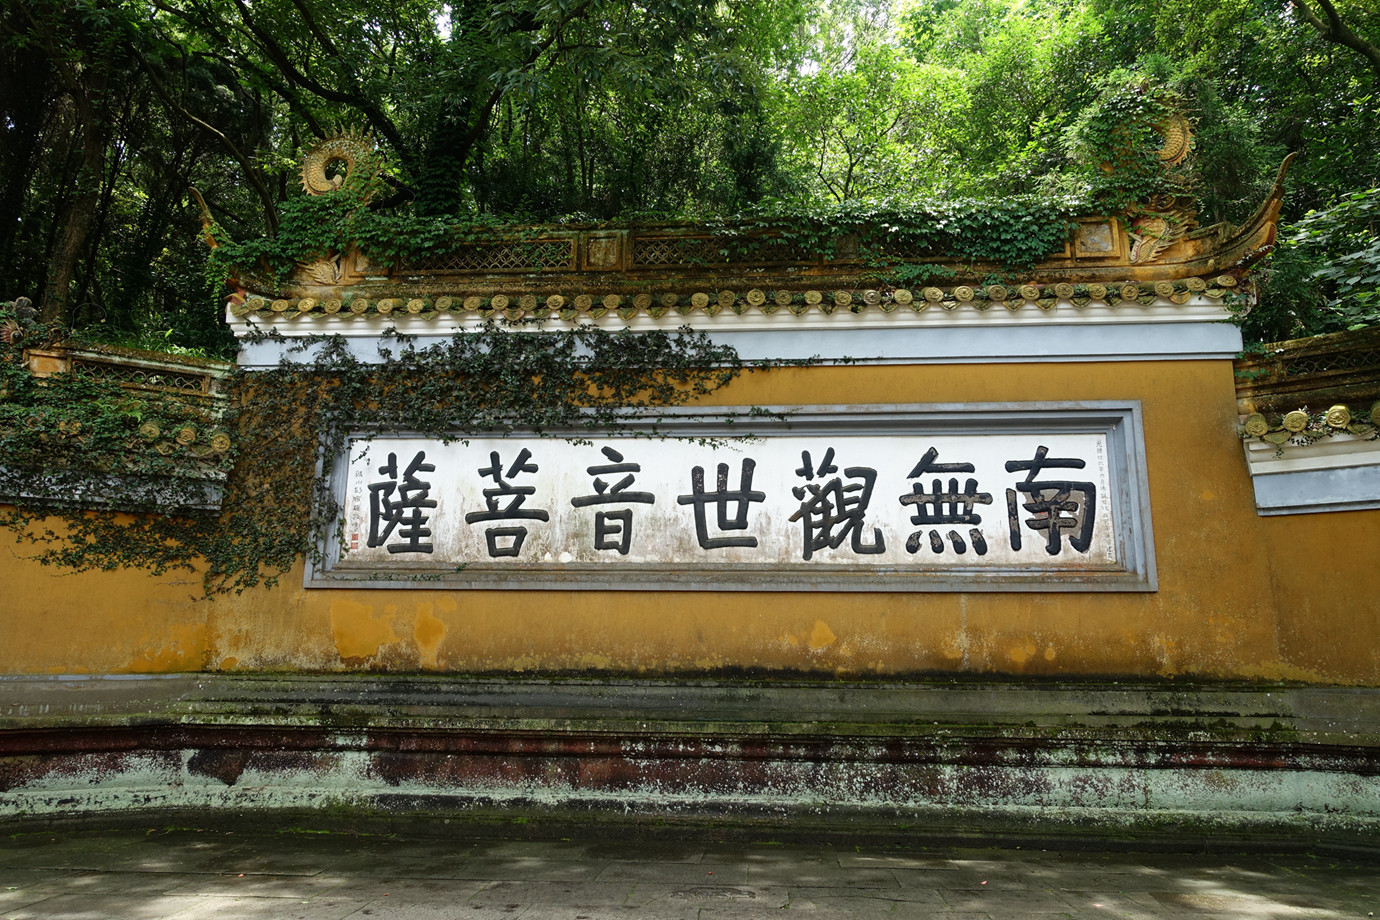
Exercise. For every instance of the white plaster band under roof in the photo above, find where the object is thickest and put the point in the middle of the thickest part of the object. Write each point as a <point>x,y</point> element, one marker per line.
<point>1199,329</point>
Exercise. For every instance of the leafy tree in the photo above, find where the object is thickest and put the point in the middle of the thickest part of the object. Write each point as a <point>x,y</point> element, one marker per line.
<point>81,48</point>
<point>1332,26</point>
<point>853,132</point>
<point>1344,241</point>
<point>429,78</point>
<point>595,109</point>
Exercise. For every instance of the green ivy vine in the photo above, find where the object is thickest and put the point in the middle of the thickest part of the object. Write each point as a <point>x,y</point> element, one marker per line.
<point>287,419</point>
<point>1118,140</point>
<point>1013,233</point>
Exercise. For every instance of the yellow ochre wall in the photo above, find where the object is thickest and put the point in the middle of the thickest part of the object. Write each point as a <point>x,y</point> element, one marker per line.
<point>1240,596</point>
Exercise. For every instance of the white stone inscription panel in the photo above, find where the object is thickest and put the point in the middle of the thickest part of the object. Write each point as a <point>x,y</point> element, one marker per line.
<point>916,509</point>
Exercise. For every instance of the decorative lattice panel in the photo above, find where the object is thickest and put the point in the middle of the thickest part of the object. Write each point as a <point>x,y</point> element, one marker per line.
<point>676,250</point>
<point>905,252</point>
<point>144,378</point>
<point>1336,361</point>
<point>509,256</point>
<point>773,250</point>
<point>688,250</point>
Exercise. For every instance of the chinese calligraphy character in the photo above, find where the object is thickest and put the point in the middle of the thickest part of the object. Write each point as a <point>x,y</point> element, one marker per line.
<point>1057,504</point>
<point>510,511</point>
<point>722,497</point>
<point>832,512</point>
<point>399,505</point>
<point>613,529</point>
<point>938,508</point>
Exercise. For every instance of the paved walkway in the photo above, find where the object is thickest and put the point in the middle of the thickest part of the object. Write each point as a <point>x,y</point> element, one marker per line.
<point>189,874</point>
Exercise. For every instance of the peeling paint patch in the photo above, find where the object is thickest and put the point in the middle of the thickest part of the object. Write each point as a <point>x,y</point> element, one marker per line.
<point>723,777</point>
<point>1164,648</point>
<point>1020,654</point>
<point>183,650</point>
<point>428,631</point>
<point>225,766</point>
<point>821,637</point>
<point>358,633</point>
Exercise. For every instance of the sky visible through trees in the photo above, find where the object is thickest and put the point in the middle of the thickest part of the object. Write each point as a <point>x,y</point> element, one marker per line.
<point>559,110</point>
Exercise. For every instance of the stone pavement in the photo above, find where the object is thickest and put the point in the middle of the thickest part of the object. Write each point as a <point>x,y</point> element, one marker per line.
<point>165,873</point>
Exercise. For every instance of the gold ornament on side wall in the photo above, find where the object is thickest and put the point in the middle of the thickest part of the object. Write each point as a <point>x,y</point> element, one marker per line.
<point>1159,224</point>
<point>326,271</point>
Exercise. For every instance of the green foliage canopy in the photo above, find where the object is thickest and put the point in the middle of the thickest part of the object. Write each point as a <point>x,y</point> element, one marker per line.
<point>542,110</point>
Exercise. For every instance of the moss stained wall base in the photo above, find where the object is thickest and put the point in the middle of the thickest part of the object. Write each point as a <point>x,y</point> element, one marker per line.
<point>930,759</point>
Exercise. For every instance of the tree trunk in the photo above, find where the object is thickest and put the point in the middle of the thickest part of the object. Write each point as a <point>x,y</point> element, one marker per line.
<point>81,212</point>
<point>62,267</point>
<point>26,78</point>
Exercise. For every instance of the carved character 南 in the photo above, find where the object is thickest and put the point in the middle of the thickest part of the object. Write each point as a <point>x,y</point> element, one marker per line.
<point>1057,504</point>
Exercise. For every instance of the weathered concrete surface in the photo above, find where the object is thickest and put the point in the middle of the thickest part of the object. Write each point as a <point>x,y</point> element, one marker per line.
<point>947,760</point>
<point>188,874</point>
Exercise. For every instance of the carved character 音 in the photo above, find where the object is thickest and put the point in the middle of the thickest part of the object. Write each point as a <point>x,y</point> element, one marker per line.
<point>613,529</point>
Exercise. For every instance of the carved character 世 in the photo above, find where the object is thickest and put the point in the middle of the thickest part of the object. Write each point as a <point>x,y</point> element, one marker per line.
<point>723,498</point>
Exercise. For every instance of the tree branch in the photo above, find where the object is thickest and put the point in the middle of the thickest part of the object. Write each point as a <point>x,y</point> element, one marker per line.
<point>252,174</point>
<point>1337,32</point>
<point>479,124</point>
<point>378,119</point>
<point>285,91</point>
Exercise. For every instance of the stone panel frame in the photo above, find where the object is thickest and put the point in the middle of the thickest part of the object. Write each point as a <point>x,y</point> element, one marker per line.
<point>1120,422</point>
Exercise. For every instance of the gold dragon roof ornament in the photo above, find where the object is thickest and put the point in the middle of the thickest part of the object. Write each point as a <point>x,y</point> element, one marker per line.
<point>1164,219</point>
<point>1177,132</point>
<point>348,156</point>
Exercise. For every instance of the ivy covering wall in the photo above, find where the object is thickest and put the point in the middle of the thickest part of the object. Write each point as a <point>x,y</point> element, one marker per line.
<point>80,453</point>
